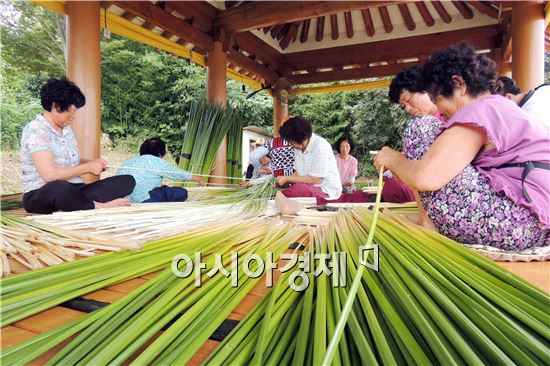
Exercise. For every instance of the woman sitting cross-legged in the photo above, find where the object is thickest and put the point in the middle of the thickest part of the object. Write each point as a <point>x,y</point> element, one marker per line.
<point>149,169</point>
<point>490,165</point>
<point>50,160</point>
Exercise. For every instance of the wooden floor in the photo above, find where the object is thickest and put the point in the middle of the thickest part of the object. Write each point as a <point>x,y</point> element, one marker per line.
<point>537,273</point>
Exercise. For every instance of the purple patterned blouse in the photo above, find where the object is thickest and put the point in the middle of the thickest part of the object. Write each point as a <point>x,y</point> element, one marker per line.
<point>518,139</point>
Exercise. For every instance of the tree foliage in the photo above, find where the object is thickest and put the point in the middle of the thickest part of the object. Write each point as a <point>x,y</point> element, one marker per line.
<point>146,92</point>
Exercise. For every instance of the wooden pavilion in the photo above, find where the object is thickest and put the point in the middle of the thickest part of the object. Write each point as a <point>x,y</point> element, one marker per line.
<point>309,42</point>
<point>259,42</point>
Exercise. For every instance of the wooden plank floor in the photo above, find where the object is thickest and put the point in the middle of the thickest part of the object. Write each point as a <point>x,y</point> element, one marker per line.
<point>537,273</point>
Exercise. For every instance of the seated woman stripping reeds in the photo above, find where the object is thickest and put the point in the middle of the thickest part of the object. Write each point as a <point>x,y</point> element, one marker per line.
<point>51,164</point>
<point>486,174</point>
<point>149,169</point>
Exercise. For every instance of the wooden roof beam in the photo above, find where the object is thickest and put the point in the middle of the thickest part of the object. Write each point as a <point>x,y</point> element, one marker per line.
<point>425,13</point>
<point>369,25</point>
<point>320,29</point>
<point>506,29</point>
<point>290,35</point>
<point>153,14</point>
<point>485,8</point>
<point>349,24</point>
<point>407,17</point>
<point>400,48</point>
<point>305,31</point>
<point>464,9</point>
<point>264,52</point>
<point>386,20</point>
<point>351,74</point>
<point>442,11</point>
<point>255,68</point>
<point>274,32</point>
<point>334,33</point>
<point>259,14</point>
<point>195,11</point>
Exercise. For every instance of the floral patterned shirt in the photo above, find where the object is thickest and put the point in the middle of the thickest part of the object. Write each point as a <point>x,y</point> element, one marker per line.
<point>468,209</point>
<point>39,135</point>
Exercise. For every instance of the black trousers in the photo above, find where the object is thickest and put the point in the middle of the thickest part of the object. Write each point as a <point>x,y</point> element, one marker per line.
<point>61,195</point>
<point>167,194</point>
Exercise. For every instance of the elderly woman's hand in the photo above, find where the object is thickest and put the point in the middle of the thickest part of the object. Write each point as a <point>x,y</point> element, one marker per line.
<point>281,180</point>
<point>386,157</point>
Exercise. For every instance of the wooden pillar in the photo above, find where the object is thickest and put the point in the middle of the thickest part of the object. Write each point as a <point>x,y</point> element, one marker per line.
<point>216,62</point>
<point>505,69</point>
<point>280,112</point>
<point>84,69</point>
<point>528,43</point>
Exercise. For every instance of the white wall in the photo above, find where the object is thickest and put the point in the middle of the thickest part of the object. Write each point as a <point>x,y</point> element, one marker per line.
<point>249,137</point>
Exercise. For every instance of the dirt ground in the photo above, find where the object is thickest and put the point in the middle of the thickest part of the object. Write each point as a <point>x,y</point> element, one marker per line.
<point>11,173</point>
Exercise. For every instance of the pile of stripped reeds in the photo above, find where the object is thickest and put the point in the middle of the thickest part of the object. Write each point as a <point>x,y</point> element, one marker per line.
<point>144,222</point>
<point>35,245</point>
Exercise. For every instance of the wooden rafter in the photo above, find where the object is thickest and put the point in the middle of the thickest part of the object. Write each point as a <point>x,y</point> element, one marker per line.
<point>349,24</point>
<point>386,20</point>
<point>369,25</point>
<point>392,49</point>
<point>320,29</point>
<point>305,31</point>
<point>264,52</point>
<point>148,26</point>
<point>295,36</point>
<point>155,15</point>
<point>248,64</point>
<point>485,7</point>
<point>334,33</point>
<point>425,13</point>
<point>276,30</point>
<point>128,16</point>
<point>201,14</point>
<point>464,9</point>
<point>351,74</point>
<point>443,14</point>
<point>290,35</point>
<point>255,15</point>
<point>407,17</point>
<point>506,30</point>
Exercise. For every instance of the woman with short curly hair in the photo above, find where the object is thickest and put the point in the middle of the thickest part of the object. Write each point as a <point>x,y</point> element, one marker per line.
<point>50,160</point>
<point>490,165</point>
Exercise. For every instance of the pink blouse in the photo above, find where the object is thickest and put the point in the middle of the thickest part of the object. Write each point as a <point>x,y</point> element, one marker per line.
<point>346,168</point>
<point>518,139</point>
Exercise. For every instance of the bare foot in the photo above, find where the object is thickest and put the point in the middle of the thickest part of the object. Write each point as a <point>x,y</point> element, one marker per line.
<point>114,203</point>
<point>286,205</point>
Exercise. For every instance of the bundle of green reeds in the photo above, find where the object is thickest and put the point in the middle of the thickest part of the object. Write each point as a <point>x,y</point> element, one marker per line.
<point>31,292</point>
<point>6,204</point>
<point>248,202</point>
<point>234,149</point>
<point>188,314</point>
<point>432,301</point>
<point>208,124</point>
